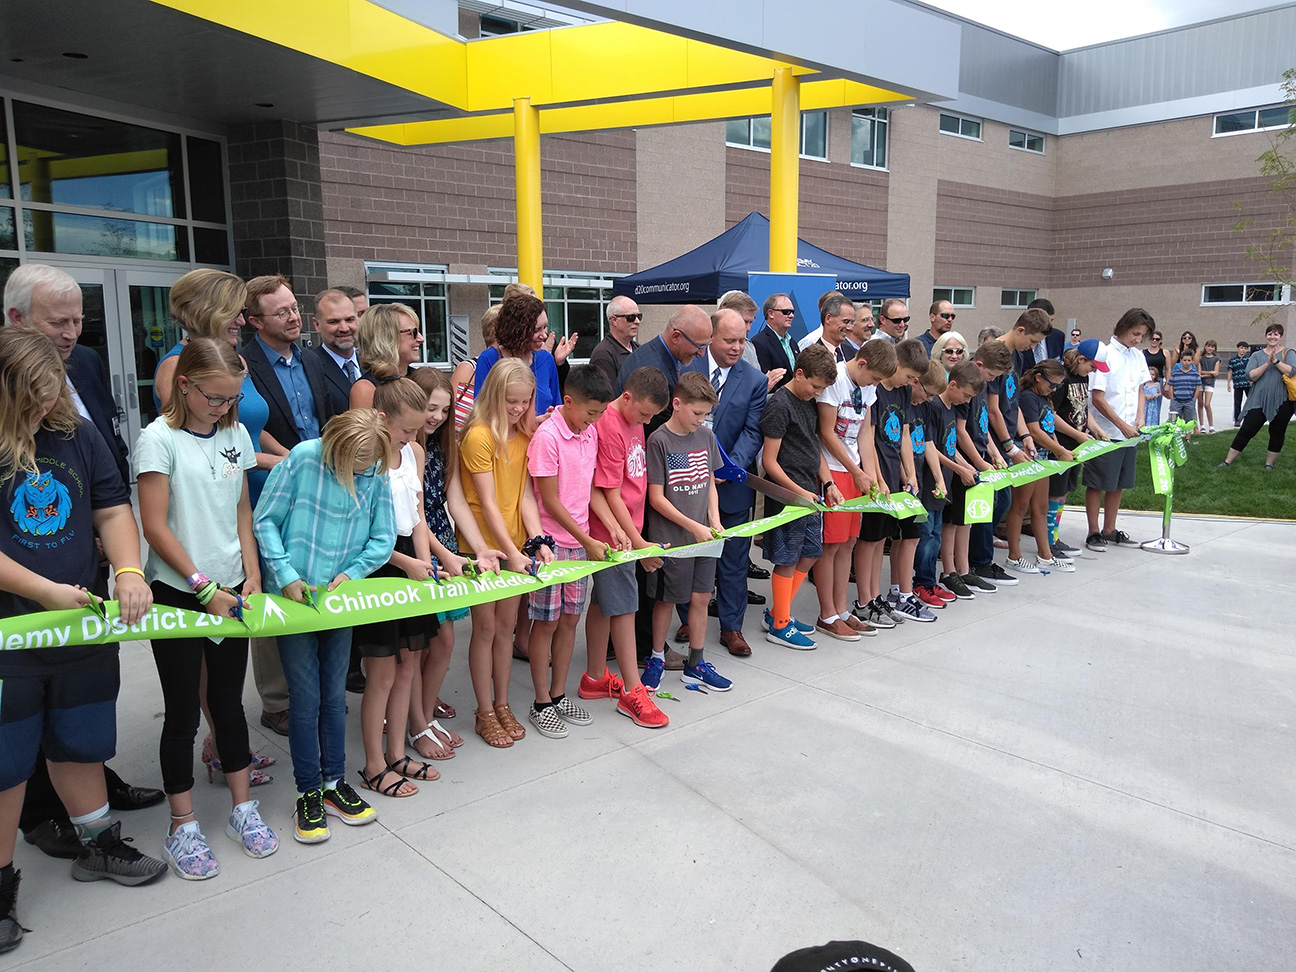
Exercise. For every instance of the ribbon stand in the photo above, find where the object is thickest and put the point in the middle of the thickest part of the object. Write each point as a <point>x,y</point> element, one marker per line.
<point>1167,448</point>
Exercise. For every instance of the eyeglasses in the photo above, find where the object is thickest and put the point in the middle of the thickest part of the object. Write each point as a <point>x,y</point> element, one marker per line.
<point>218,402</point>
<point>948,317</point>
<point>953,350</point>
<point>785,311</point>
<point>281,315</point>
<point>629,317</point>
<point>896,320</point>
<point>700,347</point>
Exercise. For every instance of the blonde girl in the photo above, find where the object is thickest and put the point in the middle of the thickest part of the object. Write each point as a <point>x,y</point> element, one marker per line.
<point>493,469</point>
<point>192,463</point>
<point>390,340</point>
<point>325,517</point>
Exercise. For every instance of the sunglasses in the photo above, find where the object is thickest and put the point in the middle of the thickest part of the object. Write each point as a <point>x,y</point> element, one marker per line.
<point>953,350</point>
<point>948,317</point>
<point>785,311</point>
<point>897,320</point>
<point>629,317</point>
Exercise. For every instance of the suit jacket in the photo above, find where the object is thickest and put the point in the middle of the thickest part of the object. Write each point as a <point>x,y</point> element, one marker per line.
<point>736,422</point>
<point>335,380</point>
<point>769,352</point>
<point>654,354</point>
<point>1055,342</point>
<point>281,424</point>
<point>89,377</point>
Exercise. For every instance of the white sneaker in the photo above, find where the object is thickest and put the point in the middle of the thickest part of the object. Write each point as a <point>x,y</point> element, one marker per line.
<point>1058,564</point>
<point>547,721</point>
<point>1022,565</point>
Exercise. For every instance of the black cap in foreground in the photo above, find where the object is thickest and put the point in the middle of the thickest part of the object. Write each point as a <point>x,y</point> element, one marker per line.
<point>842,957</point>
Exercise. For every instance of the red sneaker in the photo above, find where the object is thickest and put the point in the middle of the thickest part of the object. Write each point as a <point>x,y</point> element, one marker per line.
<point>944,593</point>
<point>610,686</point>
<point>639,706</point>
<point>928,597</point>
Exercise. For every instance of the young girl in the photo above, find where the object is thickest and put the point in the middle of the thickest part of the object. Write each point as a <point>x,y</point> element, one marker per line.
<point>441,490</point>
<point>325,517</point>
<point>492,463</point>
<point>192,462</point>
<point>1151,394</point>
<point>1211,368</point>
<point>1037,384</point>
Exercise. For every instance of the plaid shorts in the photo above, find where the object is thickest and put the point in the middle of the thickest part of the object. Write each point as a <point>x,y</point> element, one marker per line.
<point>548,602</point>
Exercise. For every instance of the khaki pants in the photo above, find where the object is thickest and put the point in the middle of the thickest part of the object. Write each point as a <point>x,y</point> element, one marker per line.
<point>268,673</point>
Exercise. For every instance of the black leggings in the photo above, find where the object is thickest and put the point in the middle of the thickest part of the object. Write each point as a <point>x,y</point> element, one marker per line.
<point>179,664</point>
<point>1254,419</point>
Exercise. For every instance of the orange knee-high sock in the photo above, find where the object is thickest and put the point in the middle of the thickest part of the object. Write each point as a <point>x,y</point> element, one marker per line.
<point>797,577</point>
<point>782,589</point>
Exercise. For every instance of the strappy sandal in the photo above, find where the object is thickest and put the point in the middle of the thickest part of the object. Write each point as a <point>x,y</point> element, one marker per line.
<point>489,728</point>
<point>447,752</point>
<point>436,726</point>
<point>426,772</point>
<point>443,711</point>
<point>509,722</point>
<point>391,789</point>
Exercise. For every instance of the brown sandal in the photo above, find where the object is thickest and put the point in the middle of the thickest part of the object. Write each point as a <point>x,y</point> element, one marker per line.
<point>509,722</point>
<point>489,728</point>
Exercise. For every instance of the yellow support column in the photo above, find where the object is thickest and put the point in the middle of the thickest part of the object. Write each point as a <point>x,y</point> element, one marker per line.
<point>785,167</point>
<point>526,163</point>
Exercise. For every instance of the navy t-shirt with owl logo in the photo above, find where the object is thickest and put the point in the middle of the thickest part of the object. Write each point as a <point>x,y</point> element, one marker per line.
<point>889,417</point>
<point>1036,408</point>
<point>942,435</point>
<point>977,416</point>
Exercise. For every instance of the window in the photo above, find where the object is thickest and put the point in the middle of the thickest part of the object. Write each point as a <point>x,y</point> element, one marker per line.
<point>1026,141</point>
<point>500,26</point>
<point>423,288</point>
<point>1252,120</point>
<point>577,308</point>
<point>869,137</point>
<point>1246,293</point>
<point>1015,298</point>
<point>958,296</point>
<point>960,126</point>
<point>755,133</point>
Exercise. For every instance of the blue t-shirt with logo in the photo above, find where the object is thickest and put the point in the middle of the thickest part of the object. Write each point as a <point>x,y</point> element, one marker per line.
<point>976,413</point>
<point>939,422</point>
<point>1036,408</point>
<point>889,416</point>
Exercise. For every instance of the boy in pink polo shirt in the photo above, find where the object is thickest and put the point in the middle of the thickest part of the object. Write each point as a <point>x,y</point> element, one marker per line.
<point>561,460</point>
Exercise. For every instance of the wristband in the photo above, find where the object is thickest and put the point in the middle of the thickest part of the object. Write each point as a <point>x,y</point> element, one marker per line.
<point>198,580</point>
<point>208,591</point>
<point>128,570</point>
<point>535,543</point>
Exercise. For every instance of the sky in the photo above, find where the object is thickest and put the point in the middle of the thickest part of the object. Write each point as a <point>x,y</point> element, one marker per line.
<point>1064,24</point>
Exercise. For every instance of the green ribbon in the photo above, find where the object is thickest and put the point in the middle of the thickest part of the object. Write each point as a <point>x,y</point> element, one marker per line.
<point>979,504</point>
<point>373,599</point>
<point>1167,448</point>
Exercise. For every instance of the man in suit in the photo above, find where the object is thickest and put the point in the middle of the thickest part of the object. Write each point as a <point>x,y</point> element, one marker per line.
<point>1054,341</point>
<point>292,383</point>
<point>337,324</point>
<point>736,423</point>
<point>775,347</point>
<point>687,335</point>
<point>49,299</point>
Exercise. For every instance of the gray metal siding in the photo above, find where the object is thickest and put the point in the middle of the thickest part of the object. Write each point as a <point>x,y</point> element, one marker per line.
<point>1007,70</point>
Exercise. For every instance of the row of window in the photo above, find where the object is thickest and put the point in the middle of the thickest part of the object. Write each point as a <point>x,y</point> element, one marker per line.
<point>1253,120</point>
<point>966,296</point>
<point>868,135</point>
<point>1266,292</point>
<point>962,126</point>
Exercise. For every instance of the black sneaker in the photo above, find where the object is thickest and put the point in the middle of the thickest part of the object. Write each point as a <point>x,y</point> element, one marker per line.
<point>56,838</point>
<point>1096,542</point>
<point>11,929</point>
<point>977,583</point>
<point>1064,548</point>
<point>1120,538</point>
<point>954,583</point>
<point>344,803</point>
<point>996,575</point>
<point>311,824</point>
<point>109,856</point>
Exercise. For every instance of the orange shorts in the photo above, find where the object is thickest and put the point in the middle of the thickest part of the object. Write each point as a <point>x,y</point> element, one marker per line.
<point>840,527</point>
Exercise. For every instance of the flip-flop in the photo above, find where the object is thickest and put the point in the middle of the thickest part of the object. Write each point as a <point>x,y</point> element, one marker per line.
<point>428,733</point>
<point>436,726</point>
<point>443,711</point>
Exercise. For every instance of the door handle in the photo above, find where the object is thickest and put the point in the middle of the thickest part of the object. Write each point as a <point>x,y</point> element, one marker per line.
<point>132,400</point>
<point>117,394</point>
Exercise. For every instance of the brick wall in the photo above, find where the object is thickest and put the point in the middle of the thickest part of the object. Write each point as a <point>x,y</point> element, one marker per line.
<point>455,203</point>
<point>994,237</point>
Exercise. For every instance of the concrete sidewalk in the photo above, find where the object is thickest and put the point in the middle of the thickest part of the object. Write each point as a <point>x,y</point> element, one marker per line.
<point>1087,771</point>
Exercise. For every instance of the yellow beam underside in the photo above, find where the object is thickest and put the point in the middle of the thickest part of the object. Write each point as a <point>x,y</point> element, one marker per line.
<point>708,106</point>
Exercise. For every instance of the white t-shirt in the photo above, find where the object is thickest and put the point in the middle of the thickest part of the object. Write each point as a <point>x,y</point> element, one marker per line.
<point>203,508</point>
<point>1122,383</point>
<point>849,418</point>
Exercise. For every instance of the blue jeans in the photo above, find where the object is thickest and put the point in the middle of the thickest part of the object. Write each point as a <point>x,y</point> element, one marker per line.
<point>315,667</point>
<point>929,544</point>
<point>731,576</point>
<point>981,539</point>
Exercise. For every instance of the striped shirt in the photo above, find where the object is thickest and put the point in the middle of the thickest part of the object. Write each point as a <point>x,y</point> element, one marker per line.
<point>1185,382</point>
<point>309,528</point>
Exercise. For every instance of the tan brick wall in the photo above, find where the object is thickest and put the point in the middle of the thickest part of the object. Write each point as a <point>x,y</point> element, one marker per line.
<point>911,204</point>
<point>991,162</point>
<point>996,237</point>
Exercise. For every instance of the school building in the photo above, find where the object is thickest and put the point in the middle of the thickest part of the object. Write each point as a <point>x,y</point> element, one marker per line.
<point>992,170</point>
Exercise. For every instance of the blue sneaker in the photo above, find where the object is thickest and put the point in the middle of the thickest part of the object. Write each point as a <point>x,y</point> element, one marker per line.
<point>652,673</point>
<point>798,625</point>
<point>705,674</point>
<point>789,637</point>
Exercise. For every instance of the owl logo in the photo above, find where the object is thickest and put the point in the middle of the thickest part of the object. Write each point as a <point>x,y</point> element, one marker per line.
<point>891,428</point>
<point>41,505</point>
<point>983,423</point>
<point>1046,421</point>
<point>918,438</point>
<point>951,441</point>
<point>1010,386</point>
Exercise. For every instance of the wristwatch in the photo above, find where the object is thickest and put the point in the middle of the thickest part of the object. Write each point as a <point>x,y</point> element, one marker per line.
<point>823,486</point>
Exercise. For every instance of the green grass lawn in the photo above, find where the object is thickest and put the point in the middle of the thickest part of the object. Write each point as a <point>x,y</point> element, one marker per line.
<point>1244,489</point>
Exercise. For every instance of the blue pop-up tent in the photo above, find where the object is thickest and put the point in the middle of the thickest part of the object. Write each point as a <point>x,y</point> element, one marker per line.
<point>722,264</point>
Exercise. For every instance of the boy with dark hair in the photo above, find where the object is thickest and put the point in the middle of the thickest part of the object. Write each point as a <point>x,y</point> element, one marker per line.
<point>1071,406</point>
<point>792,459</point>
<point>684,508</point>
<point>1239,378</point>
<point>886,440</point>
<point>617,501</point>
<point>977,446</point>
<point>965,382</point>
<point>561,459</point>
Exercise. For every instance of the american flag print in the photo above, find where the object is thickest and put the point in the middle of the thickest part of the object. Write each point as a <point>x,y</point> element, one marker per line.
<point>683,468</point>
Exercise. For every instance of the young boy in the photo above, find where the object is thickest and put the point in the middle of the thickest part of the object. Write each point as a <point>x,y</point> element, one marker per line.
<point>1185,381</point>
<point>992,359</point>
<point>843,407</point>
<point>561,460</point>
<point>684,508</point>
<point>792,459</point>
<point>617,504</point>
<point>1239,378</point>
<point>889,449</point>
<point>928,471</point>
<point>942,464</point>
<point>1071,406</point>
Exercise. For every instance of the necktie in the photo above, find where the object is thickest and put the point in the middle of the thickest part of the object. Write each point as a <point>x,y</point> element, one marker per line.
<point>787,349</point>
<point>351,372</point>
<point>841,355</point>
<point>715,380</point>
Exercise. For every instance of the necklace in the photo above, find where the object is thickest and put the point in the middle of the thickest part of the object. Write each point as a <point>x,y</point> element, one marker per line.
<point>210,457</point>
